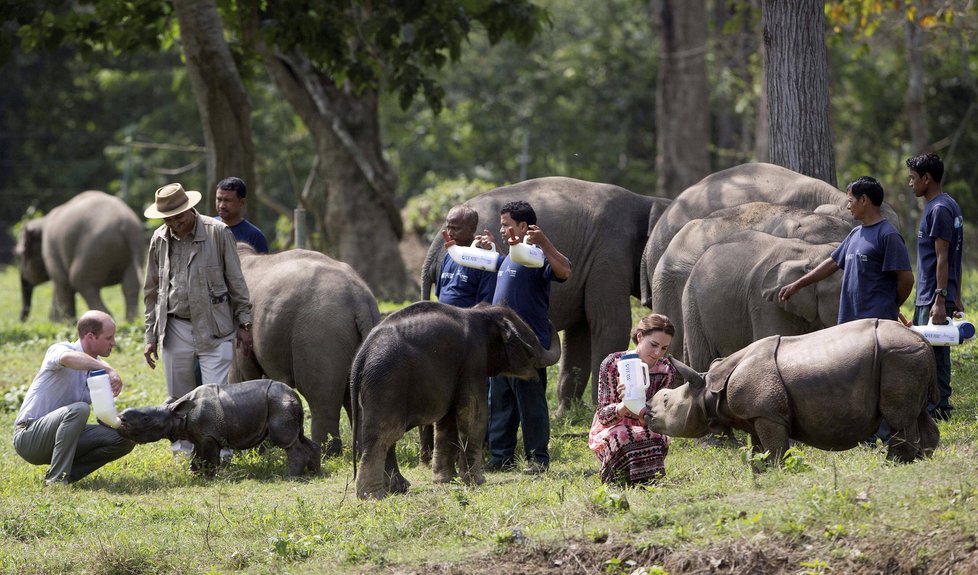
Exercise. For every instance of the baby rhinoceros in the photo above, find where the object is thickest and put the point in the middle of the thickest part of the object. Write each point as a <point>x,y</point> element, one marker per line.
<point>234,415</point>
<point>829,389</point>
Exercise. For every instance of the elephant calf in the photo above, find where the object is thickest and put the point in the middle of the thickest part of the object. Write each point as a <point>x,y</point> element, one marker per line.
<point>233,415</point>
<point>428,363</point>
<point>829,389</point>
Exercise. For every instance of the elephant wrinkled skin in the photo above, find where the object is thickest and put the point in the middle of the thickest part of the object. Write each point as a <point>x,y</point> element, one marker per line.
<point>92,241</point>
<point>727,225</point>
<point>428,363</point>
<point>310,314</point>
<point>602,229</point>
<point>829,389</point>
<point>731,297</point>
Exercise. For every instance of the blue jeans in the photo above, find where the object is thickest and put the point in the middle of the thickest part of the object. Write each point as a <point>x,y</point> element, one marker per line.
<point>942,356</point>
<point>513,402</point>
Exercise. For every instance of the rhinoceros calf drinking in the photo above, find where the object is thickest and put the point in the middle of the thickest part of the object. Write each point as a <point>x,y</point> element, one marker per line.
<point>234,415</point>
<point>829,389</point>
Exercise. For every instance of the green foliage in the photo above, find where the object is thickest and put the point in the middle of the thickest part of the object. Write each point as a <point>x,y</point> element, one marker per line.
<point>425,213</point>
<point>606,499</point>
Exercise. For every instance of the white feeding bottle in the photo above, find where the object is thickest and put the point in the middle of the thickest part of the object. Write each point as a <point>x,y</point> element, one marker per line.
<point>527,254</point>
<point>473,257</point>
<point>103,404</point>
<point>633,373</point>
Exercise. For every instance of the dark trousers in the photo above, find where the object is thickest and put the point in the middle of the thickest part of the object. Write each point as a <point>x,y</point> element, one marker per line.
<point>942,356</point>
<point>514,402</point>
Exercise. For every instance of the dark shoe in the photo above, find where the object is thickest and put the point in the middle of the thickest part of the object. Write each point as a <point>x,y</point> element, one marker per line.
<point>536,468</point>
<point>500,466</point>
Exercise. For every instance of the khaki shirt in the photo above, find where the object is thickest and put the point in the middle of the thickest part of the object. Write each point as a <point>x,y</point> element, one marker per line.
<point>214,286</point>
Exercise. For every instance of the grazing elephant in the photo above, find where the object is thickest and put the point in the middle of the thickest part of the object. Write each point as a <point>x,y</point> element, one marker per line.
<point>233,415</point>
<point>310,314</point>
<point>723,226</point>
<point>428,363</point>
<point>829,389</point>
<point>602,229</point>
<point>756,182</point>
<point>89,242</point>
<point>731,297</point>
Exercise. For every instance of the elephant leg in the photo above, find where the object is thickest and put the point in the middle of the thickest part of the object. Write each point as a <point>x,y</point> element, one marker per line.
<point>63,306</point>
<point>773,438</point>
<point>609,320</point>
<point>326,426</point>
<point>370,481</point>
<point>446,448</point>
<point>472,424</point>
<point>393,480</point>
<point>426,443</point>
<point>130,292</point>
<point>93,298</point>
<point>574,367</point>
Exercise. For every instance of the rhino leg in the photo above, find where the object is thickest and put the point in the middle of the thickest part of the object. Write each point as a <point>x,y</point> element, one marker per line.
<point>207,456</point>
<point>773,438</point>
<point>929,434</point>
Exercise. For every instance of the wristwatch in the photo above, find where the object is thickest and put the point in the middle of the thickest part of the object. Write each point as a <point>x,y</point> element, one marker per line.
<point>942,292</point>
<point>246,326</point>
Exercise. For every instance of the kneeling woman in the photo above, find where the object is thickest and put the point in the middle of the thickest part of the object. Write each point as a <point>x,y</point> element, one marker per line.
<point>628,450</point>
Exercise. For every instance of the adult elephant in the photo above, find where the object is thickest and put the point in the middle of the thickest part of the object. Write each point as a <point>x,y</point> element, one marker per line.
<point>757,182</point>
<point>310,315</point>
<point>726,225</point>
<point>89,242</point>
<point>602,228</point>
<point>731,297</point>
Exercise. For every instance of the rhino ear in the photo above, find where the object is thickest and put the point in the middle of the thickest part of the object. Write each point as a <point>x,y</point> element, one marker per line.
<point>693,377</point>
<point>181,406</point>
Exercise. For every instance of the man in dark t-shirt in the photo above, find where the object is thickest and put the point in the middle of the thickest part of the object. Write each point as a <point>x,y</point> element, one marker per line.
<point>230,201</point>
<point>876,278</point>
<point>459,285</point>
<point>940,238</point>
<point>515,402</point>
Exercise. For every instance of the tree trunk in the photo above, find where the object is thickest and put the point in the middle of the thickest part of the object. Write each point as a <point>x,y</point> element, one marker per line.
<point>682,105</point>
<point>798,87</point>
<point>916,108</point>
<point>732,51</point>
<point>222,101</point>
<point>361,221</point>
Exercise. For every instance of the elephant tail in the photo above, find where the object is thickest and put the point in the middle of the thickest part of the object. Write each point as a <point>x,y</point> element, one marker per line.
<point>356,382</point>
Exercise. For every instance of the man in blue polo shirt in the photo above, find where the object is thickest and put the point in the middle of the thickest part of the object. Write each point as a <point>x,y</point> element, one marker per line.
<point>877,277</point>
<point>940,239</point>
<point>458,285</point>
<point>515,402</point>
<point>230,201</point>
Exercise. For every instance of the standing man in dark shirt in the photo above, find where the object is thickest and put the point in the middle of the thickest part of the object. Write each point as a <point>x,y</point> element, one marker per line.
<point>940,238</point>
<point>230,202</point>
<point>515,402</point>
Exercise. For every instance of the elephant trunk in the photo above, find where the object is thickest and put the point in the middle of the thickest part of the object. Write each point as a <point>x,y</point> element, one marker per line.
<point>430,267</point>
<point>26,291</point>
<point>552,355</point>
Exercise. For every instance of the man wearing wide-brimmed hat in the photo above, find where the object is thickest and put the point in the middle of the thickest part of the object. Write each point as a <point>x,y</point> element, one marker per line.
<point>196,297</point>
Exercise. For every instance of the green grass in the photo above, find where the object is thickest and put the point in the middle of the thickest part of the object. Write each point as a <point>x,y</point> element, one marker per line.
<point>146,513</point>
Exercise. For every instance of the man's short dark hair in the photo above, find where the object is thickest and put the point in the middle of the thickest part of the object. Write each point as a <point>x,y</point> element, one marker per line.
<point>867,186</point>
<point>92,325</point>
<point>520,211</point>
<point>235,185</point>
<point>927,164</point>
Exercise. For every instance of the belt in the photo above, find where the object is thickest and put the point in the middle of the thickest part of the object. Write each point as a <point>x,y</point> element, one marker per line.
<point>175,316</point>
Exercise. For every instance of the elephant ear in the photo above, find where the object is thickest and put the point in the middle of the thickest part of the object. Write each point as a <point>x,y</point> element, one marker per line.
<point>804,303</point>
<point>519,350</point>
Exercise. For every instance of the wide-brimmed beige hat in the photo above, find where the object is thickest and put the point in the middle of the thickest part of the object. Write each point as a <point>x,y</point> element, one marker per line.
<point>171,200</point>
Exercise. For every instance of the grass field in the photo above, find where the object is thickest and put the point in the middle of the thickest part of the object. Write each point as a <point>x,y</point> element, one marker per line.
<point>845,512</point>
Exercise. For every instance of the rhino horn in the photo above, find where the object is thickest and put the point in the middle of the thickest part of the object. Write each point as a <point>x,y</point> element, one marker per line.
<point>693,377</point>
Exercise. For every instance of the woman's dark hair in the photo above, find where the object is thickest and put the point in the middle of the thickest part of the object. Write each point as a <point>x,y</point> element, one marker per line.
<point>652,323</point>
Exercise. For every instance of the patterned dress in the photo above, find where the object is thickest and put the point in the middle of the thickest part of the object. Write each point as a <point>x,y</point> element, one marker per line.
<point>629,451</point>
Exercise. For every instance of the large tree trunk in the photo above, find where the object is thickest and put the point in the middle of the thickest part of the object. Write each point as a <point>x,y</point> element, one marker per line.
<point>682,104</point>
<point>798,87</point>
<point>362,224</point>
<point>222,101</point>
<point>732,48</point>
<point>916,108</point>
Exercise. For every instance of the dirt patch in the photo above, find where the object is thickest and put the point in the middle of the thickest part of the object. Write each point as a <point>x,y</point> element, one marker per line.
<point>937,553</point>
